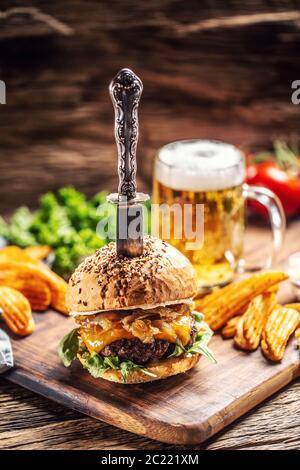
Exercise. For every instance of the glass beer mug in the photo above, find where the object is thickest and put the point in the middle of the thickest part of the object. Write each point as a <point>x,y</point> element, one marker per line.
<point>210,175</point>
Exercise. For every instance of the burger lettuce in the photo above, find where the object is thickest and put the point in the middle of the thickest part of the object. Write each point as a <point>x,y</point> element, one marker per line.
<point>97,365</point>
<point>69,347</point>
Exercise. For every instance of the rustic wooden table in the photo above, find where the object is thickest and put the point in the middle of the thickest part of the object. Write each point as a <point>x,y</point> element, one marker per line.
<point>28,421</point>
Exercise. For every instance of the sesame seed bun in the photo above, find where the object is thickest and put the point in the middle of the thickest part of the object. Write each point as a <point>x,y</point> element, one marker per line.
<point>160,370</point>
<point>106,281</point>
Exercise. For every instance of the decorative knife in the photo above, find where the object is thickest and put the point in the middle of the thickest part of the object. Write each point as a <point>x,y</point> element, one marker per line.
<point>125,91</point>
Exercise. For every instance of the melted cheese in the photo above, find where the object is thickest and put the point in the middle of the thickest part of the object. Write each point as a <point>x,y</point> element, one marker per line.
<point>96,339</point>
<point>113,328</point>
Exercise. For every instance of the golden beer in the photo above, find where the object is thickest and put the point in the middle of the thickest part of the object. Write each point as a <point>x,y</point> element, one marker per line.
<point>215,262</point>
<point>193,174</point>
<point>210,174</point>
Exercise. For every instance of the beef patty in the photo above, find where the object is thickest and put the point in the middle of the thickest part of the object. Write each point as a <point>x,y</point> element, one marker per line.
<point>135,350</point>
<point>141,353</point>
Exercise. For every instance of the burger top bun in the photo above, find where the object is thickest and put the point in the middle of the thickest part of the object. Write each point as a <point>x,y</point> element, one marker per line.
<point>106,281</point>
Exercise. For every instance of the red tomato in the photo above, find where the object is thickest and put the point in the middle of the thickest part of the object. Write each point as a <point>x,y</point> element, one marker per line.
<point>285,185</point>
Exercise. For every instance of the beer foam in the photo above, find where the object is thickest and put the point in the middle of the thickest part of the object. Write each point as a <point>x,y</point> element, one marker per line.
<point>200,165</point>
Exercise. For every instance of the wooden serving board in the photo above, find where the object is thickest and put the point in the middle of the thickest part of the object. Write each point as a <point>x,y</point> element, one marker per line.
<point>184,409</point>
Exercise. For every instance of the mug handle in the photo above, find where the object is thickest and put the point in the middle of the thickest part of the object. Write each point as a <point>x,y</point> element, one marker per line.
<point>277,218</point>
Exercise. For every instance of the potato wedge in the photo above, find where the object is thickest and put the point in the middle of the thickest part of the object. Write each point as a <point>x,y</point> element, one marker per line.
<point>229,330</point>
<point>281,323</point>
<point>294,306</point>
<point>14,253</point>
<point>16,311</point>
<point>251,325</point>
<point>35,290</point>
<point>225,303</point>
<point>41,272</point>
<point>38,252</point>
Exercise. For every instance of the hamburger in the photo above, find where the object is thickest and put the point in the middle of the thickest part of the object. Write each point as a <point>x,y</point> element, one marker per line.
<point>134,316</point>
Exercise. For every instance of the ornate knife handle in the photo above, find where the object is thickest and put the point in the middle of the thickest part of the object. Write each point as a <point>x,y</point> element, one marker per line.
<point>125,91</point>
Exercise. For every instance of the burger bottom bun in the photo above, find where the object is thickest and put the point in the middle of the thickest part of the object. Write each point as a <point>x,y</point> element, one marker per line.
<point>162,369</point>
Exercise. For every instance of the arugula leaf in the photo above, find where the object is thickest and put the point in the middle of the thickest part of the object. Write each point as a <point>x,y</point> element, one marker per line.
<point>112,361</point>
<point>94,364</point>
<point>204,336</point>
<point>68,347</point>
<point>199,347</point>
<point>178,350</point>
<point>126,367</point>
<point>198,316</point>
<point>97,365</point>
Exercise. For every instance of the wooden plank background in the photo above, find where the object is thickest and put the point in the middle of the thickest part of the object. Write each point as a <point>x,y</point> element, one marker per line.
<point>210,69</point>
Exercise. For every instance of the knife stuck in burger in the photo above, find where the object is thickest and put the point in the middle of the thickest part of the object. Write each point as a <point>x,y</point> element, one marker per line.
<point>132,300</point>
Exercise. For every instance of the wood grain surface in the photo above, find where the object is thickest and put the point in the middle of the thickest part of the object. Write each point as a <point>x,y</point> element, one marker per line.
<point>183,409</point>
<point>186,409</point>
<point>29,421</point>
<point>210,69</point>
